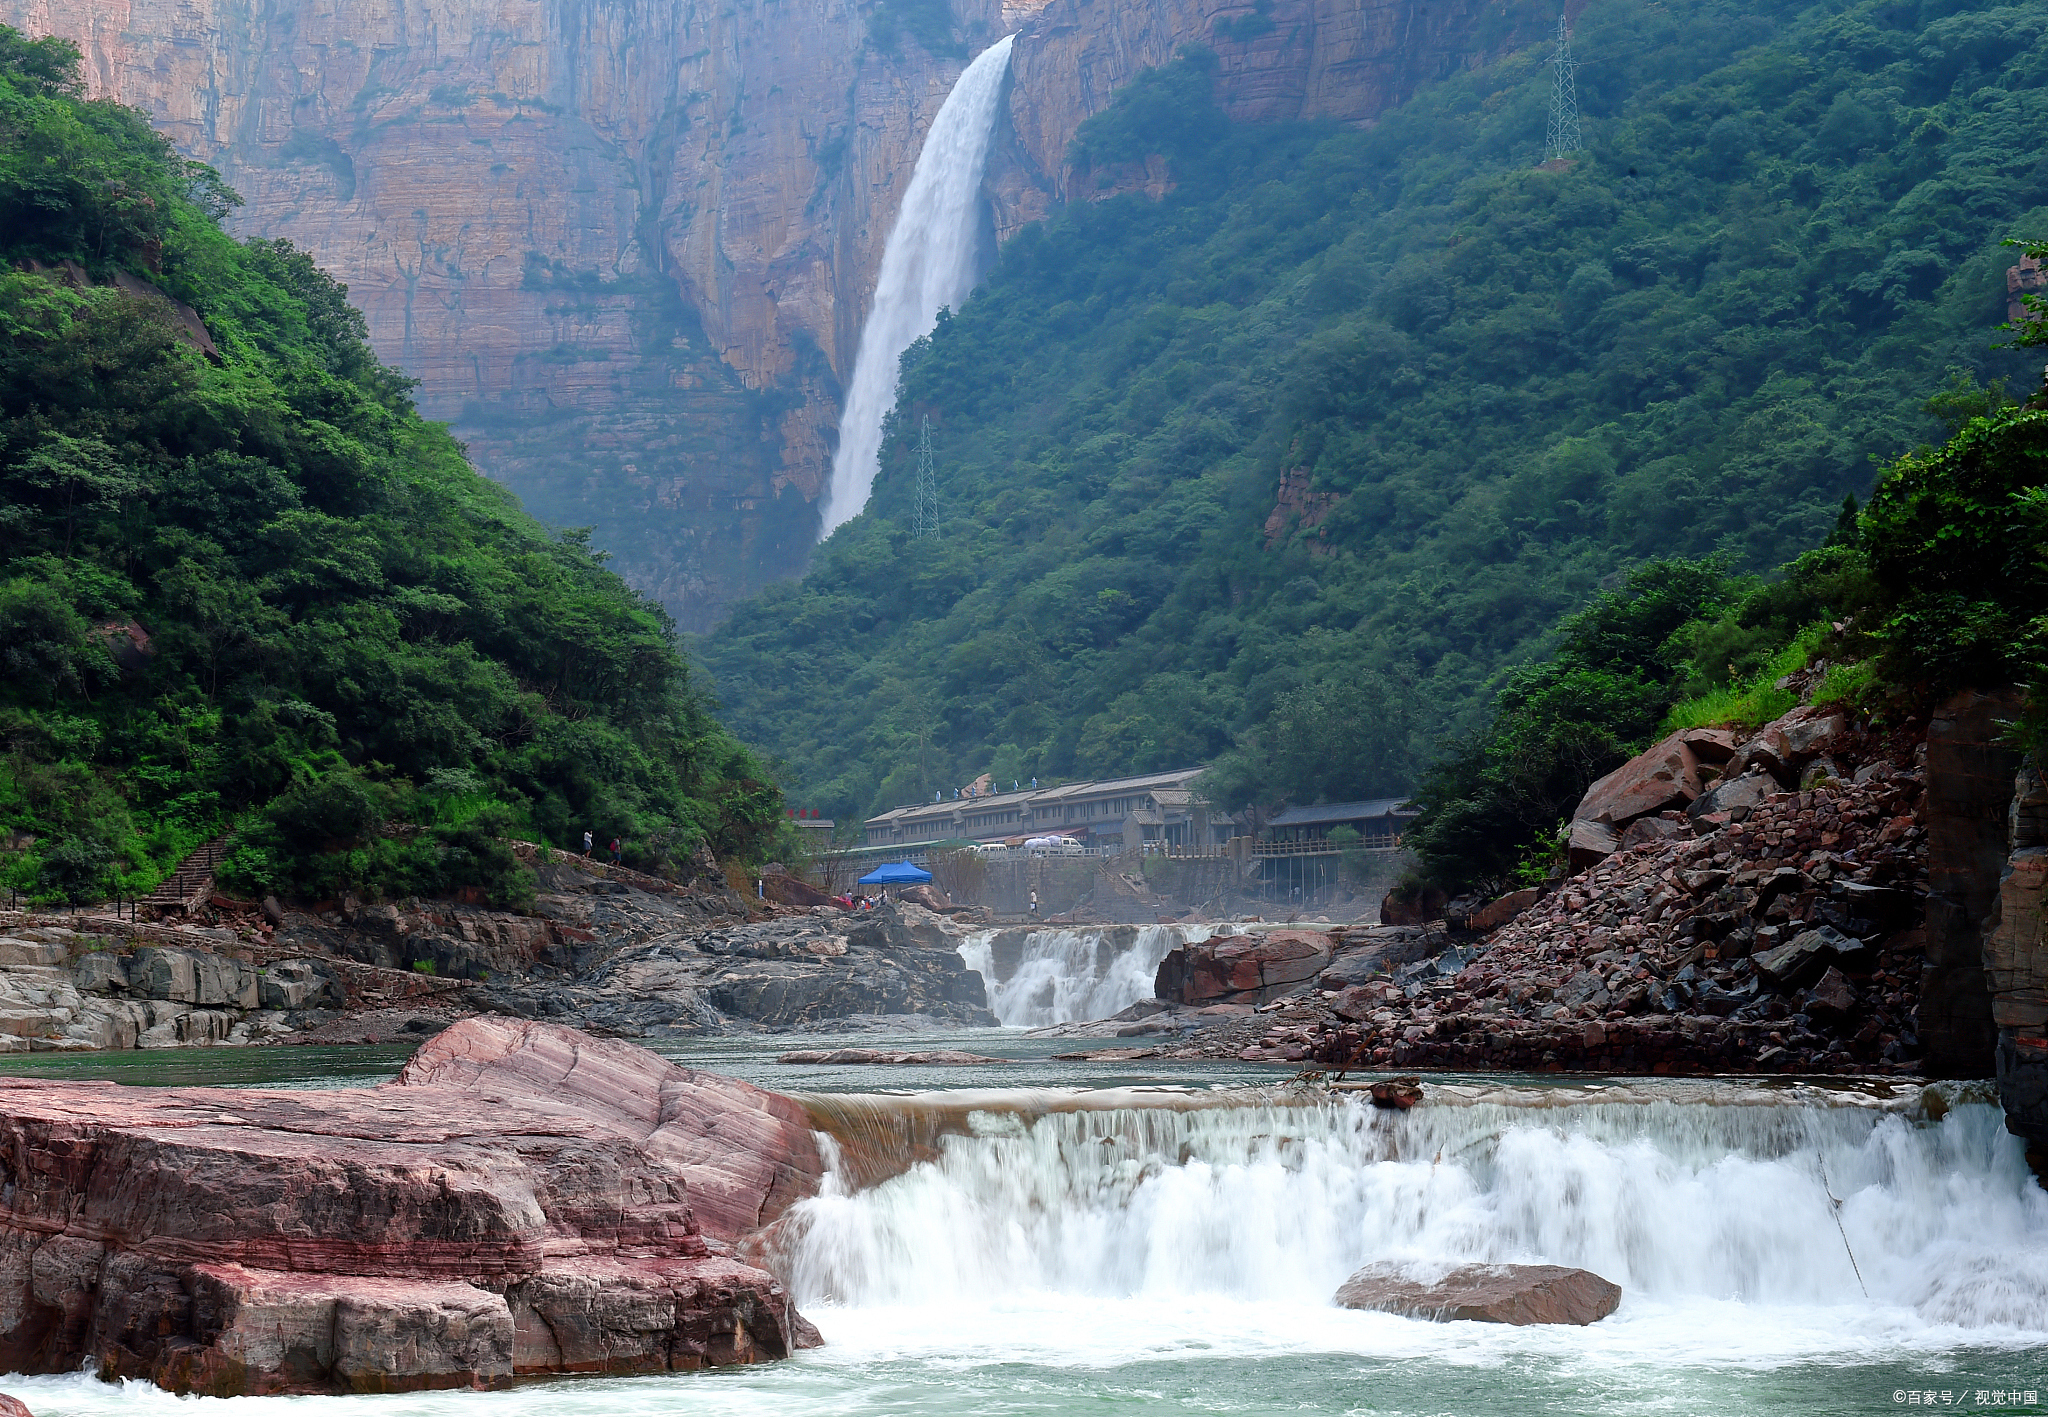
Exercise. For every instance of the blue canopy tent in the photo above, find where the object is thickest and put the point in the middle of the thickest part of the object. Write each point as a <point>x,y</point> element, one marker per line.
<point>896,873</point>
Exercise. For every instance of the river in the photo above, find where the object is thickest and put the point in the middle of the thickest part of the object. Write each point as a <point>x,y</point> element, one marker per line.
<point>1170,1247</point>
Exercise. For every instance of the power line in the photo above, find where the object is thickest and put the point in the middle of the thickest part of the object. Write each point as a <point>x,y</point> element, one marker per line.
<point>924,507</point>
<point>1563,138</point>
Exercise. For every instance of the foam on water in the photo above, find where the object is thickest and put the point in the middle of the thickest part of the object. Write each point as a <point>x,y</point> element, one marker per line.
<point>1179,1257</point>
<point>1686,1206</point>
<point>1071,976</point>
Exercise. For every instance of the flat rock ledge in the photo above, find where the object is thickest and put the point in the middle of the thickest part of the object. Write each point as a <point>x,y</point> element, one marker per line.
<point>522,1199</point>
<point>1489,1293</point>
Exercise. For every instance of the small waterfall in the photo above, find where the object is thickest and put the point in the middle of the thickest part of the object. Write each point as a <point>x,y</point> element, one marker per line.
<point>1680,1202</point>
<point>1041,977</point>
<point>928,262</point>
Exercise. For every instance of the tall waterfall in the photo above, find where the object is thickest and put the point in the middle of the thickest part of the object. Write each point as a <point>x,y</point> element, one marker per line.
<point>1691,1207</point>
<point>1040,977</point>
<point>927,263</point>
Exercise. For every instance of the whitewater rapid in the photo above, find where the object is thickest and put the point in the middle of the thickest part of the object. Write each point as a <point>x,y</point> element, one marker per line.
<point>1072,976</point>
<point>928,263</point>
<point>1707,1214</point>
<point>1155,1252</point>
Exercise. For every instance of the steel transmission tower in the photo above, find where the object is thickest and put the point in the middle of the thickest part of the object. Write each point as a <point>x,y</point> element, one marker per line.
<point>924,507</point>
<point>1563,138</point>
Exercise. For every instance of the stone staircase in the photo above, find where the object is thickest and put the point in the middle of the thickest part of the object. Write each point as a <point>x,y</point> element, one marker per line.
<point>193,878</point>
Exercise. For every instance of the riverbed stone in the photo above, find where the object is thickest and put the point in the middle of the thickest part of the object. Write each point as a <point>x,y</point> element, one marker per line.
<point>1488,1293</point>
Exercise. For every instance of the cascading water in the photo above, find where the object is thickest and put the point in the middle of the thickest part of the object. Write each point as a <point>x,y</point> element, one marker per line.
<point>1070,976</point>
<point>1148,1252</point>
<point>927,263</point>
<point>1691,1207</point>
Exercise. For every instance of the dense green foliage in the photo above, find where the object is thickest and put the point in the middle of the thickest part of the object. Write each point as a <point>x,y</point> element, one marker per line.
<point>347,629</point>
<point>1940,584</point>
<point>1492,390</point>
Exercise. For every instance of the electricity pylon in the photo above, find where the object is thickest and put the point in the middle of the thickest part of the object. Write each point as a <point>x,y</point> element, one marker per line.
<point>1563,137</point>
<point>924,506</point>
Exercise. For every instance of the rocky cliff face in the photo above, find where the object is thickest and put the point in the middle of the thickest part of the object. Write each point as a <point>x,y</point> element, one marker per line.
<point>626,247</point>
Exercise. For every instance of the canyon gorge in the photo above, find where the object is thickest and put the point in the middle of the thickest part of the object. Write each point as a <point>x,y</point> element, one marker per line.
<point>627,249</point>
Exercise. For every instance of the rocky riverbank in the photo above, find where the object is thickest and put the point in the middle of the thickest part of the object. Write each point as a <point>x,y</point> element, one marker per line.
<point>604,950</point>
<point>521,1200</point>
<point>1720,919</point>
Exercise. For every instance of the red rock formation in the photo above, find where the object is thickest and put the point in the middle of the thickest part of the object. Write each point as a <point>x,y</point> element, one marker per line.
<point>1661,778</point>
<point>522,1199</point>
<point>1242,968</point>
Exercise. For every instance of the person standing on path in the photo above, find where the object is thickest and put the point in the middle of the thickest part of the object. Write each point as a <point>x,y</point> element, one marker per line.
<point>587,843</point>
<point>618,852</point>
<point>1034,905</point>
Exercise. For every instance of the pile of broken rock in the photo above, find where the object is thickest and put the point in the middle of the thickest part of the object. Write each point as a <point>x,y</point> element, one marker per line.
<point>1755,913</point>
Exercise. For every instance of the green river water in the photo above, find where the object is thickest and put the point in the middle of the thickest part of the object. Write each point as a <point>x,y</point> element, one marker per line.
<point>1155,1258</point>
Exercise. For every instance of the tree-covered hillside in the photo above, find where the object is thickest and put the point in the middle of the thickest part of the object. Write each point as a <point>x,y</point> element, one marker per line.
<point>243,583</point>
<point>1286,468</point>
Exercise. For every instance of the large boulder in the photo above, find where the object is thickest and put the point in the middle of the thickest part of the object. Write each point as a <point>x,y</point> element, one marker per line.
<point>1733,798</point>
<point>1806,956</point>
<point>1590,843</point>
<point>1490,1293</point>
<point>1971,765</point>
<point>1497,913</point>
<point>522,1199</point>
<point>1242,968</point>
<point>1665,777</point>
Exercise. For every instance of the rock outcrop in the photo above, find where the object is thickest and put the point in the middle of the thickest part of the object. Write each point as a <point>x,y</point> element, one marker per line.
<point>604,949</point>
<point>63,989</point>
<point>1488,1293</point>
<point>521,1200</point>
<point>1969,795</point>
<point>1242,969</point>
<point>2016,966</point>
<point>627,249</point>
<point>650,972</point>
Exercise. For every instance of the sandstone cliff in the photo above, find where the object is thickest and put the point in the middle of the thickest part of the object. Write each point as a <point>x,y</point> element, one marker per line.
<point>626,248</point>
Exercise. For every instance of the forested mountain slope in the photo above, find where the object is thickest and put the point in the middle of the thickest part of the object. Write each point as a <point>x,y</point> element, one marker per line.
<point>1302,455</point>
<point>242,582</point>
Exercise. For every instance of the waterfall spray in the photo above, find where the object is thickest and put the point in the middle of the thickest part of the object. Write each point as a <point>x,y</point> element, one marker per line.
<point>1682,1203</point>
<point>927,263</point>
<point>1070,975</point>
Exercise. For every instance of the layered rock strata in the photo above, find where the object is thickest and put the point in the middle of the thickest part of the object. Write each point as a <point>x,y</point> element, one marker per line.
<point>604,949</point>
<point>63,989</point>
<point>627,249</point>
<point>521,1200</point>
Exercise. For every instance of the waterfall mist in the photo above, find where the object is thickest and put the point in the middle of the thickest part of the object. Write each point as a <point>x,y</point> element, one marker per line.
<point>927,263</point>
<point>1682,1205</point>
<point>1073,975</point>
